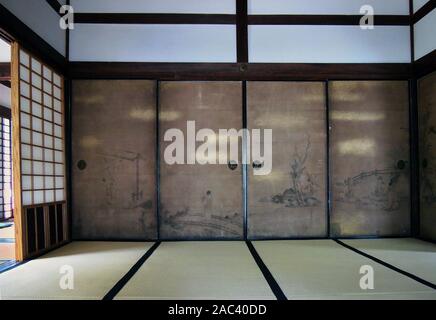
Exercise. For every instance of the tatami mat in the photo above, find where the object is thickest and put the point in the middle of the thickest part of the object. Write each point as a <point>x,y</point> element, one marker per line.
<point>323,269</point>
<point>304,269</point>
<point>198,270</point>
<point>97,266</point>
<point>411,255</point>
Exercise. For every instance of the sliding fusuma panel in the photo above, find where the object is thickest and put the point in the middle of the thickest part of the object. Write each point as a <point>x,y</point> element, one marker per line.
<point>427,157</point>
<point>289,201</point>
<point>113,159</point>
<point>199,200</point>
<point>369,158</point>
<point>41,152</point>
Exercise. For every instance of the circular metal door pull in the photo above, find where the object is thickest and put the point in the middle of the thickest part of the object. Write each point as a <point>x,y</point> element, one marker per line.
<point>401,164</point>
<point>232,165</point>
<point>257,164</point>
<point>81,164</point>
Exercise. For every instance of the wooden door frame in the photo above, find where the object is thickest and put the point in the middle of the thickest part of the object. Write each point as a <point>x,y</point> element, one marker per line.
<point>16,152</point>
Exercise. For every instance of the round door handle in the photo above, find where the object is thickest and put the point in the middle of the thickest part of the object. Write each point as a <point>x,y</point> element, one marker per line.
<point>401,164</point>
<point>81,164</point>
<point>232,165</point>
<point>257,165</point>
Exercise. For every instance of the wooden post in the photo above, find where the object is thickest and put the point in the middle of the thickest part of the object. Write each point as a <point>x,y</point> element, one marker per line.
<point>16,153</point>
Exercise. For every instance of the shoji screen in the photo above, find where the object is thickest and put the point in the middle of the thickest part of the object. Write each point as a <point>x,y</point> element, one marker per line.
<point>41,153</point>
<point>6,207</point>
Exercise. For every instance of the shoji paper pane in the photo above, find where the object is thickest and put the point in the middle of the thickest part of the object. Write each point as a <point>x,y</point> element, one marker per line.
<point>36,80</point>
<point>352,7</point>
<point>153,43</point>
<point>42,138</point>
<point>313,44</point>
<point>26,198</point>
<point>5,168</point>
<point>25,104</point>
<point>24,58</point>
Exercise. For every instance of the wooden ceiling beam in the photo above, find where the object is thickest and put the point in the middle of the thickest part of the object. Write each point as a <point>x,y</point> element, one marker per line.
<point>240,71</point>
<point>154,18</point>
<point>238,19</point>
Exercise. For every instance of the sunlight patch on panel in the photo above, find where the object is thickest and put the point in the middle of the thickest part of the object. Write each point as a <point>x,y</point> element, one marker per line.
<point>142,115</point>
<point>357,116</point>
<point>89,142</point>
<point>358,147</point>
<point>91,99</point>
<point>169,115</point>
<point>281,120</point>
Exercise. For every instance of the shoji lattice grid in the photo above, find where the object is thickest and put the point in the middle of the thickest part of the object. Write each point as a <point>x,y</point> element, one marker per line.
<point>6,206</point>
<point>42,138</point>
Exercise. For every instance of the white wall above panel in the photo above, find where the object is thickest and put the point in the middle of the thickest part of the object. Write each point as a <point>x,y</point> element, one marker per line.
<point>41,18</point>
<point>328,44</point>
<point>155,6</point>
<point>417,4</point>
<point>424,35</point>
<point>5,96</point>
<point>153,43</point>
<point>5,51</point>
<point>394,7</point>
